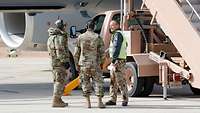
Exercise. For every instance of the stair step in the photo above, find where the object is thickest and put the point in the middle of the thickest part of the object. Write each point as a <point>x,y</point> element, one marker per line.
<point>194,19</point>
<point>197,26</point>
<point>187,9</point>
<point>183,2</point>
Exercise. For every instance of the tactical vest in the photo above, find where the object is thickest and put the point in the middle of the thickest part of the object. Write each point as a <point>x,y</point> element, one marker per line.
<point>123,50</point>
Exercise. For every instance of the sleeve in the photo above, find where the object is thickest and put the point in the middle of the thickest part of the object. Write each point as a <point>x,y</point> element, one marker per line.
<point>101,50</point>
<point>117,42</point>
<point>65,34</point>
<point>77,52</point>
<point>65,43</point>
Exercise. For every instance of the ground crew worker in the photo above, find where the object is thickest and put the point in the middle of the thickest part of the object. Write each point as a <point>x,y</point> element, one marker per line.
<point>117,53</point>
<point>59,52</point>
<point>88,57</point>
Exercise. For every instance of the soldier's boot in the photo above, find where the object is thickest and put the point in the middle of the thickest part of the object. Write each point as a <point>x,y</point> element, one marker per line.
<point>110,102</point>
<point>66,104</point>
<point>88,103</point>
<point>100,103</point>
<point>57,102</point>
<point>125,100</point>
<point>124,103</point>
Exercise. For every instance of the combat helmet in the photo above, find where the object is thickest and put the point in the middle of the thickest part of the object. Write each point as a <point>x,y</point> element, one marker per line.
<point>60,24</point>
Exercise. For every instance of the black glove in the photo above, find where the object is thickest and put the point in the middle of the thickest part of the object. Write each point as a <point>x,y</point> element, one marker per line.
<point>66,65</point>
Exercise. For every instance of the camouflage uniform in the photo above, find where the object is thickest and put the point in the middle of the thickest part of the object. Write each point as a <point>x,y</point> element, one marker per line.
<point>58,50</point>
<point>117,79</point>
<point>89,55</point>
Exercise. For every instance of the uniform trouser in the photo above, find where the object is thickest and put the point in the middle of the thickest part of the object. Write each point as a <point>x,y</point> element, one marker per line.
<point>96,75</point>
<point>60,80</point>
<point>118,81</point>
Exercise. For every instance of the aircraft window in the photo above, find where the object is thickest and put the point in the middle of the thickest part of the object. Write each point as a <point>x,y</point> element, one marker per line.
<point>98,20</point>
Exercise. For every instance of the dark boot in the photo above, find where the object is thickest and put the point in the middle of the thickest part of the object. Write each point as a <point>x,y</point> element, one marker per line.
<point>124,103</point>
<point>110,102</point>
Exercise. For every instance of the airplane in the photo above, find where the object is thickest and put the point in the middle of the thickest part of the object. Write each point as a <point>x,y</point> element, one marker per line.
<point>24,23</point>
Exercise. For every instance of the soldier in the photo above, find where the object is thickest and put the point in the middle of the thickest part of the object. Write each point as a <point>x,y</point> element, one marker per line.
<point>59,52</point>
<point>88,57</point>
<point>117,53</point>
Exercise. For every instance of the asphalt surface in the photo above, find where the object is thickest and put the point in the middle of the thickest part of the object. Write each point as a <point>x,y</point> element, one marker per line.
<point>26,87</point>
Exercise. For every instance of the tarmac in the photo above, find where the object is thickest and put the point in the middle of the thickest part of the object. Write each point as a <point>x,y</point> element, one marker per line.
<point>26,87</point>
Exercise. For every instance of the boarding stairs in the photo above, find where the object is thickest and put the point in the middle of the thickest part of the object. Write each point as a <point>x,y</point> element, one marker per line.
<point>180,20</point>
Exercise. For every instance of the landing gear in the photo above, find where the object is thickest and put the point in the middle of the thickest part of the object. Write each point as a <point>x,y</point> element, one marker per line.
<point>12,53</point>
